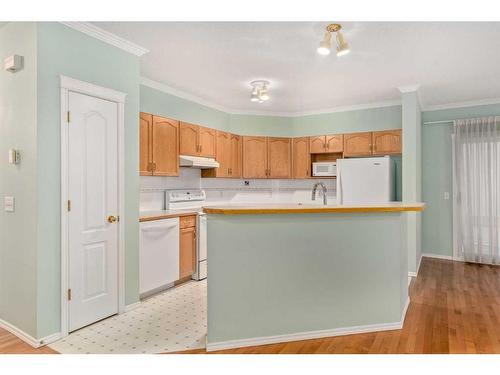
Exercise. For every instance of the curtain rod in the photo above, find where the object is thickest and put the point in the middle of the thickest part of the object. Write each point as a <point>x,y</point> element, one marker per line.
<point>439,122</point>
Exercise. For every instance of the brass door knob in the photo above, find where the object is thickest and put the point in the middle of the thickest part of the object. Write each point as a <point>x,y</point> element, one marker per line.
<point>112,219</point>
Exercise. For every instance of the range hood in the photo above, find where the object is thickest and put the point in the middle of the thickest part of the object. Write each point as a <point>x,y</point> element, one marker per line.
<point>197,162</point>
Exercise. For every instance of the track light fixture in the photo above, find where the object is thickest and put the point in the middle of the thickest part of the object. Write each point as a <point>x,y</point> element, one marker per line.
<point>325,44</point>
<point>259,91</point>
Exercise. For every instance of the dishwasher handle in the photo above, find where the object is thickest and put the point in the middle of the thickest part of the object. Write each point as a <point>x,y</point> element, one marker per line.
<point>159,228</point>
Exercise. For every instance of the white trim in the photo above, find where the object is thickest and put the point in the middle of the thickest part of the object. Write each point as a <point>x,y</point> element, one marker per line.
<point>131,307</point>
<point>69,84</point>
<point>409,88</point>
<point>196,99</point>
<point>107,37</point>
<point>35,343</point>
<point>240,343</point>
<point>90,89</point>
<point>19,333</point>
<point>471,103</point>
<point>437,256</point>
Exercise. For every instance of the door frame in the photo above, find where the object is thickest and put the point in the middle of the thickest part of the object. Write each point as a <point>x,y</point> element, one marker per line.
<point>68,85</point>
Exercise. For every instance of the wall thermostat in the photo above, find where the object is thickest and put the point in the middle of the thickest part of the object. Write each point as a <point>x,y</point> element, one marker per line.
<point>13,63</point>
<point>14,156</point>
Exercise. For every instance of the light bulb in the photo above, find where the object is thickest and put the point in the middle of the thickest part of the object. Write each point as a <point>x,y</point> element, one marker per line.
<point>254,97</point>
<point>324,45</point>
<point>263,95</point>
<point>342,47</point>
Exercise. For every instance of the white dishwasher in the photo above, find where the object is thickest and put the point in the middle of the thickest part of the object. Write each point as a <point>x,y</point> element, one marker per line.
<point>159,254</point>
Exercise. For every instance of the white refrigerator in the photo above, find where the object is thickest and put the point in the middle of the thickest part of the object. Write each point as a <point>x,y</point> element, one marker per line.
<point>365,180</point>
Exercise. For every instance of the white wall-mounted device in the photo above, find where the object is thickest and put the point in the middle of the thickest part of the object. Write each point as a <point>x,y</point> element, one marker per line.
<point>13,63</point>
<point>14,156</point>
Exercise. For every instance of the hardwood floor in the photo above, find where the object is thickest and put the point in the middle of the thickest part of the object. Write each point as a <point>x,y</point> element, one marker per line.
<point>455,308</point>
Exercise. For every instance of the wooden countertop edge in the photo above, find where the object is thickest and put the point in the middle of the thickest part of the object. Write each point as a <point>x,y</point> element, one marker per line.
<point>309,210</point>
<point>166,216</point>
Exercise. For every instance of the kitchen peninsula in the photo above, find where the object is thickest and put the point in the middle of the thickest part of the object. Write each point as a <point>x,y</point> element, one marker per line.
<point>290,272</point>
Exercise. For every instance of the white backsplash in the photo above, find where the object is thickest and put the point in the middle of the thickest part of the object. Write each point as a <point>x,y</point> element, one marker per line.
<point>227,190</point>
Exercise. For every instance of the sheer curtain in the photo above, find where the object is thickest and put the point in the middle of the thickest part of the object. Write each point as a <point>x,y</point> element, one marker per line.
<point>477,181</point>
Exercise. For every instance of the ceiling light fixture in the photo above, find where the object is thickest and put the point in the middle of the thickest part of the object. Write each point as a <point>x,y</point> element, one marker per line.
<point>259,91</point>
<point>325,44</point>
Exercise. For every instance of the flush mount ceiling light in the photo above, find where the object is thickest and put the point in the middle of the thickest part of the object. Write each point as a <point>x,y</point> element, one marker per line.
<point>259,91</point>
<point>325,44</point>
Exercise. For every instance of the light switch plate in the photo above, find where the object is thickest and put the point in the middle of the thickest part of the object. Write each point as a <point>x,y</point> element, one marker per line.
<point>8,203</point>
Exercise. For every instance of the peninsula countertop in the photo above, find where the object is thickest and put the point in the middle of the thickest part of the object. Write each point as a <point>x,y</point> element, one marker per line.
<point>274,208</point>
<point>164,214</point>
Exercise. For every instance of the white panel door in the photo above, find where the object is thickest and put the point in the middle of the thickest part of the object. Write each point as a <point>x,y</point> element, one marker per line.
<point>93,192</point>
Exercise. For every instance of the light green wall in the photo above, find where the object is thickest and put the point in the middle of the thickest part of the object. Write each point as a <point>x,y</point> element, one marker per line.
<point>412,174</point>
<point>271,126</point>
<point>284,274</point>
<point>18,130</point>
<point>162,104</point>
<point>437,222</point>
<point>371,119</point>
<point>64,51</point>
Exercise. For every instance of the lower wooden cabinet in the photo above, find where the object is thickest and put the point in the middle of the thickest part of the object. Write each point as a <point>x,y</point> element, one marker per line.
<point>187,246</point>
<point>301,162</point>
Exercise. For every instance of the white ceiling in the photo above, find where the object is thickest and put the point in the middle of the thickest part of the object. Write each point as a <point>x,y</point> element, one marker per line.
<point>215,61</point>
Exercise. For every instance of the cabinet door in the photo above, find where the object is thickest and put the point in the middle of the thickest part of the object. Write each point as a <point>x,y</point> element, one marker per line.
<point>145,137</point>
<point>187,251</point>
<point>358,144</point>
<point>279,157</point>
<point>207,141</point>
<point>165,146</point>
<point>301,158</point>
<point>189,139</point>
<point>235,158</point>
<point>317,144</point>
<point>387,142</point>
<point>254,157</point>
<point>334,143</point>
<point>223,154</point>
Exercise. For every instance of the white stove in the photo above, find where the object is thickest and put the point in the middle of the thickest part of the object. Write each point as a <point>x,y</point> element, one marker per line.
<point>192,200</point>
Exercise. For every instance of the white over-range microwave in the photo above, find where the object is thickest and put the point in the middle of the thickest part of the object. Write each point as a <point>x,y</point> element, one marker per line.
<point>324,169</point>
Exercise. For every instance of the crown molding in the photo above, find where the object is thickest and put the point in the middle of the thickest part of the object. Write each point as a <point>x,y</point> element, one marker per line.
<point>181,94</point>
<point>471,103</point>
<point>196,99</point>
<point>409,88</point>
<point>107,37</point>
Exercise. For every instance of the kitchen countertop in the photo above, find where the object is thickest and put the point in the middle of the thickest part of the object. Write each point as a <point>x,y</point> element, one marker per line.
<point>259,209</point>
<point>164,214</point>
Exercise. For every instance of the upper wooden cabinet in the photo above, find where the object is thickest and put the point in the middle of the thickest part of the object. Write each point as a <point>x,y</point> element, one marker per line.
<point>279,157</point>
<point>358,144</point>
<point>165,146</point>
<point>207,142</point>
<point>145,152</point>
<point>322,144</point>
<point>386,142</point>
<point>334,143</point>
<point>254,157</point>
<point>223,156</point>
<point>159,146</point>
<point>301,158</point>
<point>235,157</point>
<point>197,140</point>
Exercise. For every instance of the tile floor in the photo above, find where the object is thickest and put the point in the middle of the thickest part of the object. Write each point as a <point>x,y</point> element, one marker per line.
<point>171,321</point>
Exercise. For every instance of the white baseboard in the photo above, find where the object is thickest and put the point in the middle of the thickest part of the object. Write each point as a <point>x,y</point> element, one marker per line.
<point>437,256</point>
<point>131,307</point>
<point>240,343</point>
<point>36,343</point>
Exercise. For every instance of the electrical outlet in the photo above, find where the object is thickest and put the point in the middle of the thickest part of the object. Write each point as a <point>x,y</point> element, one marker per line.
<point>446,195</point>
<point>247,183</point>
<point>8,203</point>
